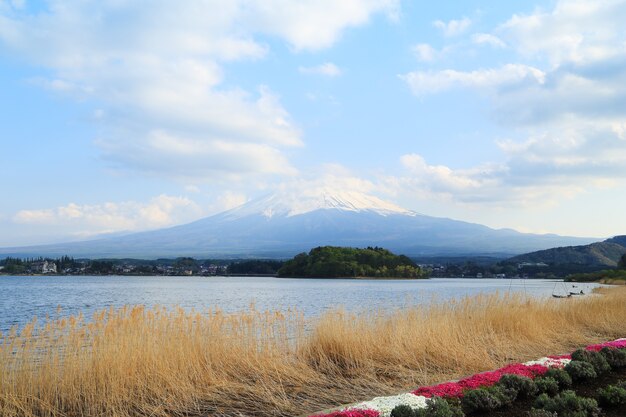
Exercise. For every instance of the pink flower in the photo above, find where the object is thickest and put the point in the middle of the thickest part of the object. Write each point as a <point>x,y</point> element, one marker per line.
<point>350,413</point>
<point>485,379</point>
<point>618,344</point>
<point>447,389</point>
<point>530,371</point>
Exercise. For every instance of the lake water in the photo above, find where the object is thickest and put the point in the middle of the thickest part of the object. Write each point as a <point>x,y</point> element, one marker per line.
<point>22,297</point>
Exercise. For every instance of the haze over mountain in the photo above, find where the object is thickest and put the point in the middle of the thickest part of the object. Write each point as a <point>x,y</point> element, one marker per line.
<point>287,223</point>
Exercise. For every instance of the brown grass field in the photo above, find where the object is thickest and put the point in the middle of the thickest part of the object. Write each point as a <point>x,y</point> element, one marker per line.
<point>157,362</point>
<point>613,281</point>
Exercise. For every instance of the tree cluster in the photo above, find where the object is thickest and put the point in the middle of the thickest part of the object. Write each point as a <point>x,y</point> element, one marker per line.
<point>255,266</point>
<point>19,266</point>
<point>335,262</point>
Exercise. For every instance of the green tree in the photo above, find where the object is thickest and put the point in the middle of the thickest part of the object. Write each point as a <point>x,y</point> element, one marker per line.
<point>100,267</point>
<point>622,262</point>
<point>332,262</point>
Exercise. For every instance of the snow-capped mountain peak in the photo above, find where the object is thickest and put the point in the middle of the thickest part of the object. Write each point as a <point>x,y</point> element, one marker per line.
<point>287,204</point>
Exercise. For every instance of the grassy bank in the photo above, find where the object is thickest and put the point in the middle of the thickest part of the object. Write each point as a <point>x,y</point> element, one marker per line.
<point>159,362</point>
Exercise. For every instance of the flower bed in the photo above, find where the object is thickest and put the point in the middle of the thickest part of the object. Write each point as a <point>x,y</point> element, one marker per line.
<point>618,344</point>
<point>351,413</point>
<point>485,379</point>
<point>418,399</point>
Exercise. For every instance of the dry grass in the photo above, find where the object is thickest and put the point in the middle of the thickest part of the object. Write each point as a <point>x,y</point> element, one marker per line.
<point>159,362</point>
<point>613,281</point>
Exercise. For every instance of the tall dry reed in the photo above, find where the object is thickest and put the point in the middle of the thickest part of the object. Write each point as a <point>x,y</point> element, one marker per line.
<point>159,362</point>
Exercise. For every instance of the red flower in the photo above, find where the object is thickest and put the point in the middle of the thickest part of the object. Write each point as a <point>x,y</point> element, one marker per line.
<point>618,344</point>
<point>447,389</point>
<point>530,371</point>
<point>350,413</point>
<point>485,379</point>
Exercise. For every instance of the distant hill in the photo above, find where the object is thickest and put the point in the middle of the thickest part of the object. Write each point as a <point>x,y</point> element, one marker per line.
<point>620,240</point>
<point>600,254</point>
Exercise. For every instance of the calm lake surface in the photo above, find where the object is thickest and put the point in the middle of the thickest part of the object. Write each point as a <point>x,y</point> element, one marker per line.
<point>22,297</point>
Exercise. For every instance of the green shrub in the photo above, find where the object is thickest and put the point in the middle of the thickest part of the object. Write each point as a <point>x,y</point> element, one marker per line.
<point>523,386</point>
<point>579,370</point>
<point>547,385</point>
<point>612,396</point>
<point>541,413</point>
<point>505,395</point>
<point>567,404</point>
<point>481,399</point>
<point>561,377</point>
<point>600,365</point>
<point>403,411</point>
<point>541,401</point>
<point>615,357</point>
<point>621,384</point>
<point>438,407</point>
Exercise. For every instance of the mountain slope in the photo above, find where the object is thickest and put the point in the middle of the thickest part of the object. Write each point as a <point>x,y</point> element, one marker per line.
<point>285,224</point>
<point>605,253</point>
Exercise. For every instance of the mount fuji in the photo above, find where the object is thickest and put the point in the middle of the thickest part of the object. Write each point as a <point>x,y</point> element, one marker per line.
<point>286,223</point>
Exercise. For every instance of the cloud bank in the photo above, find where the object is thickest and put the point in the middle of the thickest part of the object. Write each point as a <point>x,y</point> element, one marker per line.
<point>156,70</point>
<point>566,111</point>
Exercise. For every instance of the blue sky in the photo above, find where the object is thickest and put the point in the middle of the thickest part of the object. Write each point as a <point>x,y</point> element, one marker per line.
<point>120,116</point>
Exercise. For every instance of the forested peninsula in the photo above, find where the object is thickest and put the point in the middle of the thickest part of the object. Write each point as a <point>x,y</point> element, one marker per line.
<point>341,262</point>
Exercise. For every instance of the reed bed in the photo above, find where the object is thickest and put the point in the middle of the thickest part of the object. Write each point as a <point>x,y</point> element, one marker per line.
<point>138,361</point>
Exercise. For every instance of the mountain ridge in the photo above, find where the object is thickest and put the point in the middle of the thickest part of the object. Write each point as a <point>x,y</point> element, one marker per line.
<point>606,253</point>
<point>288,204</point>
<point>285,224</point>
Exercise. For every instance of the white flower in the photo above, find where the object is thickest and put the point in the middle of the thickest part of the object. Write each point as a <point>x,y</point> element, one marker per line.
<point>384,405</point>
<point>549,362</point>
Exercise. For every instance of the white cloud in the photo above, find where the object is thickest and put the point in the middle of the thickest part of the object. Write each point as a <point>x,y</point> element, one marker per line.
<point>485,187</point>
<point>567,111</point>
<point>430,82</point>
<point>575,30</point>
<point>327,69</point>
<point>34,216</point>
<point>314,25</point>
<point>157,74</point>
<point>229,200</point>
<point>424,52</point>
<point>326,176</point>
<point>445,177</point>
<point>110,217</point>
<point>453,27</point>
<point>587,151</point>
<point>488,39</point>
<point>203,157</point>
<point>191,188</point>
<point>439,181</point>
<point>549,166</point>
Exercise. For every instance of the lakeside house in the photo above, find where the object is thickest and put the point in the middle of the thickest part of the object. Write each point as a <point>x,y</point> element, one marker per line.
<point>43,267</point>
<point>532,265</point>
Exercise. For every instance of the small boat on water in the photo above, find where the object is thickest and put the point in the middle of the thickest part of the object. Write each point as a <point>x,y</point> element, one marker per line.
<point>567,293</point>
<point>574,290</point>
<point>561,296</point>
